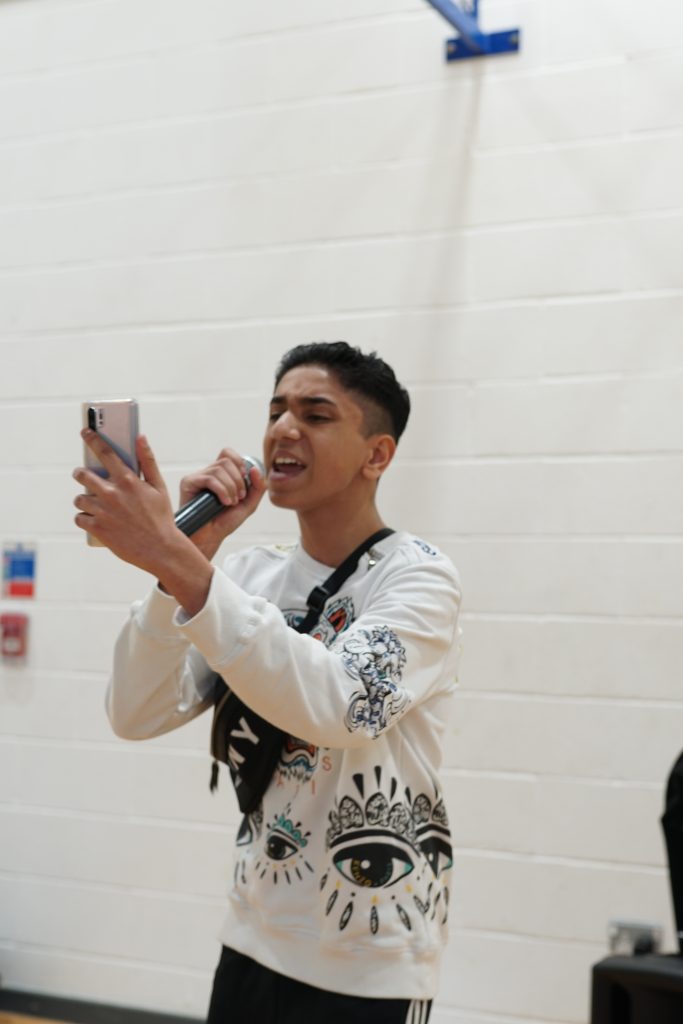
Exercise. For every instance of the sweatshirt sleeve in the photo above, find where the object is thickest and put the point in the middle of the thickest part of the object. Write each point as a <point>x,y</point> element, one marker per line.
<point>398,652</point>
<point>159,681</point>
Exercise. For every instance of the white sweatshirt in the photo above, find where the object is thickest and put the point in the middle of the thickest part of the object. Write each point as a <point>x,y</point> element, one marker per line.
<point>341,876</point>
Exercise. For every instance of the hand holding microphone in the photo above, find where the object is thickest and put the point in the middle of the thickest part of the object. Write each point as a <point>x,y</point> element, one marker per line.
<point>206,504</point>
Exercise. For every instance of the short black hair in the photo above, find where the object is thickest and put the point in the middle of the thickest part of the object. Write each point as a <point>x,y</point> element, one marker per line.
<point>387,403</point>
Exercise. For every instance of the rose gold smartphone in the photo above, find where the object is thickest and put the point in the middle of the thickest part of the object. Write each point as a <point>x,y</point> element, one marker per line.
<point>116,421</point>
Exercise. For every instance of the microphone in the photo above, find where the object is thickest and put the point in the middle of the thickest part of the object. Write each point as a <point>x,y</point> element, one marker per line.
<point>205,505</point>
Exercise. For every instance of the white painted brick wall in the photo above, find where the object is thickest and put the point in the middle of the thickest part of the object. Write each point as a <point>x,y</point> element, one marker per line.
<point>188,189</point>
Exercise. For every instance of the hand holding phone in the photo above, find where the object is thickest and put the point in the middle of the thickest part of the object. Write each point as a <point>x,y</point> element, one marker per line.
<point>133,516</point>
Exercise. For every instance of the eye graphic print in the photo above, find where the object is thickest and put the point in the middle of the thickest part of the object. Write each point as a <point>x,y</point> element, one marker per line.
<point>387,853</point>
<point>246,832</point>
<point>249,832</point>
<point>437,849</point>
<point>373,865</point>
<point>251,827</point>
<point>372,846</point>
<point>432,834</point>
<point>280,847</point>
<point>285,844</point>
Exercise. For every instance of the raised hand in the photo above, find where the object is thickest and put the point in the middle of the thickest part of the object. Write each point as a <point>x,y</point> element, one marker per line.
<point>225,477</point>
<point>133,517</point>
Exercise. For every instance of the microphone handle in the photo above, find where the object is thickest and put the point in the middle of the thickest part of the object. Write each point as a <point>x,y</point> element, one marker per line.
<point>198,511</point>
<point>205,505</point>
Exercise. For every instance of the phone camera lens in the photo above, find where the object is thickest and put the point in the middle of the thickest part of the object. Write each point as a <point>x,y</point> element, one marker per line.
<point>92,418</point>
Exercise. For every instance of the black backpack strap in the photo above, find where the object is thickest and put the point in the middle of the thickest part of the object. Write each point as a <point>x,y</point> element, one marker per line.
<point>321,594</point>
<point>258,758</point>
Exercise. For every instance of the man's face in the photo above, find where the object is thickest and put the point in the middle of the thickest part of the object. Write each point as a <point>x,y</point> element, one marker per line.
<point>314,447</point>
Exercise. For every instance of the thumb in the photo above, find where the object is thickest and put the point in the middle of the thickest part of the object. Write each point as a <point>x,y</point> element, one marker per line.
<point>148,464</point>
<point>256,491</point>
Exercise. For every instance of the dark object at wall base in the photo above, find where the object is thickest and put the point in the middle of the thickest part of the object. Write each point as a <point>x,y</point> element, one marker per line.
<point>638,990</point>
<point>672,825</point>
<point>75,1011</point>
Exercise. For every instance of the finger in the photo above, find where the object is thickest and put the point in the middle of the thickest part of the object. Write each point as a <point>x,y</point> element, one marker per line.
<point>230,455</point>
<point>86,503</point>
<point>114,465</point>
<point>232,475</point>
<point>221,478</point>
<point>84,522</point>
<point>149,465</point>
<point>93,483</point>
<point>255,491</point>
<point>220,482</point>
<point>256,478</point>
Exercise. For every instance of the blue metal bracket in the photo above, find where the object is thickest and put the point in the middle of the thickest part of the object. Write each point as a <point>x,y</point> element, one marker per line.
<point>471,41</point>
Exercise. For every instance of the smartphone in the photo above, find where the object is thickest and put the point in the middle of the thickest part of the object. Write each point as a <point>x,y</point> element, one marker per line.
<point>116,421</point>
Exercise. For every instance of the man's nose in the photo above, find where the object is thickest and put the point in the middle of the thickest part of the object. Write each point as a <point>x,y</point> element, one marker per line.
<point>286,425</point>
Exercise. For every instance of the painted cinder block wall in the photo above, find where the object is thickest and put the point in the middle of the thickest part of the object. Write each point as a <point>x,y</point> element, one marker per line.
<point>186,190</point>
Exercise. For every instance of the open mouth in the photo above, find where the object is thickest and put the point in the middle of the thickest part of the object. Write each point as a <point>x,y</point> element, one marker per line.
<point>285,467</point>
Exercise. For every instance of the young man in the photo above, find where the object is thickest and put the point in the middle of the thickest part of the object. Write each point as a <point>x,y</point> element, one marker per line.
<point>340,898</point>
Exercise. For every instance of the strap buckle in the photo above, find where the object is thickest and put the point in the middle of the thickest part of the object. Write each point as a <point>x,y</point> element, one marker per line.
<point>317,598</point>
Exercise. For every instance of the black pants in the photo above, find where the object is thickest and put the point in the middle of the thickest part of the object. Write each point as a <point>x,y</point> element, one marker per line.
<point>245,991</point>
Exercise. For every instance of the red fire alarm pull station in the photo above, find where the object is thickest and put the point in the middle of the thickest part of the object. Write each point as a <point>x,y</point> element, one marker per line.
<point>13,637</point>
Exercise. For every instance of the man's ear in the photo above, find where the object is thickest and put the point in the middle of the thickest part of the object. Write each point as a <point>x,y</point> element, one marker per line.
<point>380,453</point>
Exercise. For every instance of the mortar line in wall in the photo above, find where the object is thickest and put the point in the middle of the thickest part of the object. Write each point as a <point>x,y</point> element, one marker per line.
<point>537,379</point>
<point>540,459</point>
<point>616,137</point>
<point>560,539</point>
<point>181,896</point>
<point>558,860</point>
<point>113,745</point>
<point>571,618</point>
<point>511,775</point>
<point>527,302</point>
<point>265,177</point>
<point>103,196</point>
<point>305,29</point>
<point>159,398</point>
<point>610,539</point>
<point>360,94</point>
<point>332,246</point>
<point>527,938</point>
<point>548,777</point>
<point>107,959</point>
<point>454,1012</point>
<point>534,938</point>
<point>604,701</point>
<point>229,181</point>
<point>227,42</point>
<point>627,458</point>
<point>223,829</point>
<point>78,676</point>
<point>530,459</point>
<point>543,377</point>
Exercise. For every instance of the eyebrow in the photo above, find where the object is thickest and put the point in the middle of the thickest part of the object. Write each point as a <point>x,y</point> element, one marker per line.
<point>280,400</point>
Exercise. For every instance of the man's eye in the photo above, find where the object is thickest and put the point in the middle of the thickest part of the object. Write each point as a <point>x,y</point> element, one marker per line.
<point>314,418</point>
